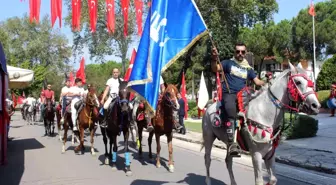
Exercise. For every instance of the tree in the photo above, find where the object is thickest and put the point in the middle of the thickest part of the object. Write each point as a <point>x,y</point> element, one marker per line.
<point>101,43</point>
<point>325,26</point>
<point>34,46</point>
<point>327,74</point>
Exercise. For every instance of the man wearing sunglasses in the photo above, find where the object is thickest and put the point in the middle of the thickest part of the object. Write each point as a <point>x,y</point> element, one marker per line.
<point>237,72</point>
<point>48,94</point>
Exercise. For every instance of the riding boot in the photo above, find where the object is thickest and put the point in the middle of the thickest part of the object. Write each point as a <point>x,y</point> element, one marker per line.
<point>233,148</point>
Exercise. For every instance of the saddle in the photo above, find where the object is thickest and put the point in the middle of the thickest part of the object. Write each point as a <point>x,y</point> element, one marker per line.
<point>141,114</point>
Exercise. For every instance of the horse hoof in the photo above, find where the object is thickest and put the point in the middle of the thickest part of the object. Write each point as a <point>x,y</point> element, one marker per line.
<point>114,167</point>
<point>171,168</point>
<point>72,142</point>
<point>63,151</point>
<point>129,173</point>
<point>207,181</point>
<point>93,153</point>
<point>107,161</point>
<point>158,165</point>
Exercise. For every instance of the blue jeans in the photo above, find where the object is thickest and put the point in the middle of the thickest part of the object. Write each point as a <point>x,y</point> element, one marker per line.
<point>63,105</point>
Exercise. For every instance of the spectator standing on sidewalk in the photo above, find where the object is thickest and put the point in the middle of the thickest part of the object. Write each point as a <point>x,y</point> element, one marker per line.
<point>10,110</point>
<point>181,113</point>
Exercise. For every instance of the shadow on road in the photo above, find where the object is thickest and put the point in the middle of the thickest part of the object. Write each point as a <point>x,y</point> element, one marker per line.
<point>191,179</point>
<point>11,174</point>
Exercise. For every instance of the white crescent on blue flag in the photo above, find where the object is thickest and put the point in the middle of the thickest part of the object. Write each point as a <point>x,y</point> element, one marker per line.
<point>171,28</point>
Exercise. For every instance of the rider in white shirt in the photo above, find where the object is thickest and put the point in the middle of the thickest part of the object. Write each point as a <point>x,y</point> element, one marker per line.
<point>64,98</point>
<point>112,87</point>
<point>77,93</point>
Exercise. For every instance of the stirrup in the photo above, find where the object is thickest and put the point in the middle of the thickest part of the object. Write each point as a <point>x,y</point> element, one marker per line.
<point>234,150</point>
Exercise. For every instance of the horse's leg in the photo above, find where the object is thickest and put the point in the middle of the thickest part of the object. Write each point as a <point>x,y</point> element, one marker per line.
<point>93,130</point>
<point>140,140</point>
<point>150,139</point>
<point>208,140</point>
<point>170,150</point>
<point>65,136</point>
<point>229,162</point>
<point>158,149</point>
<point>81,136</point>
<point>45,126</point>
<point>103,132</point>
<point>114,154</point>
<point>127,154</point>
<point>257,165</point>
<point>270,168</point>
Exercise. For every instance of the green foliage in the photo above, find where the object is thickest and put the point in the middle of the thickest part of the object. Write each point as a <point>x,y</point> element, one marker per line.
<point>325,26</point>
<point>323,97</point>
<point>327,74</point>
<point>36,47</point>
<point>192,104</point>
<point>303,127</point>
<point>193,113</point>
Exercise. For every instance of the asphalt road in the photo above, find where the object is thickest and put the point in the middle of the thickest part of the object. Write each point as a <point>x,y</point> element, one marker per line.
<point>37,160</point>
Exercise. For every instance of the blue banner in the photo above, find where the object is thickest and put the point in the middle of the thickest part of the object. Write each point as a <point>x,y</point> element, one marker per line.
<point>171,28</point>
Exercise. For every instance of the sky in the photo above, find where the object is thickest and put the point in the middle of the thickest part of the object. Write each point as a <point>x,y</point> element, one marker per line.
<point>11,8</point>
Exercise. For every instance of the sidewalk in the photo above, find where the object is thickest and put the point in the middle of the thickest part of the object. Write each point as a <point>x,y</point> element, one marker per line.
<point>317,153</point>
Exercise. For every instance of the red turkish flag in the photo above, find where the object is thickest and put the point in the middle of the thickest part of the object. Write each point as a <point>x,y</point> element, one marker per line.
<point>56,11</point>
<point>76,13</point>
<point>312,9</point>
<point>93,14</point>
<point>110,15</point>
<point>129,71</point>
<point>34,10</point>
<point>14,99</point>
<point>138,10</point>
<point>125,6</point>
<point>219,87</point>
<point>184,94</point>
<point>81,71</point>
<point>71,78</point>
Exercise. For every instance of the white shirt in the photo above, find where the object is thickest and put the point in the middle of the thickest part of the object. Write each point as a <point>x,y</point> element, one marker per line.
<point>77,90</point>
<point>30,100</point>
<point>65,90</point>
<point>114,85</point>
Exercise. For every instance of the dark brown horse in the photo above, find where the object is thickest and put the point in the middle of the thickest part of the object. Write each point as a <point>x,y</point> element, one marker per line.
<point>66,126</point>
<point>49,116</point>
<point>58,120</point>
<point>118,120</point>
<point>163,122</point>
<point>87,118</point>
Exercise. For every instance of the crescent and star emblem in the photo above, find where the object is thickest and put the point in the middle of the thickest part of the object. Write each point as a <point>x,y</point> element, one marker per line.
<point>93,4</point>
<point>109,6</point>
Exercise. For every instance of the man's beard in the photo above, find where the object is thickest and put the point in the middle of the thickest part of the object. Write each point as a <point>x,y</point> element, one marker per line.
<point>239,58</point>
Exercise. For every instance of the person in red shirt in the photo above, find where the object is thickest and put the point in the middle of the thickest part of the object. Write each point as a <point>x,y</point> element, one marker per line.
<point>47,94</point>
<point>332,95</point>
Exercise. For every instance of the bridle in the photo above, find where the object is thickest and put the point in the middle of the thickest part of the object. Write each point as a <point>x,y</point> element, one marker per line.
<point>295,94</point>
<point>170,101</point>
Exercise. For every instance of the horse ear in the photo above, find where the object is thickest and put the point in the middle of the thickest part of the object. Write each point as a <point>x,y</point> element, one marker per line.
<point>292,68</point>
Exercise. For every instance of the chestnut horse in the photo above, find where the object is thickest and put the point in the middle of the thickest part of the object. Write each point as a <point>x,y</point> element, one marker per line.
<point>87,118</point>
<point>163,122</point>
<point>118,119</point>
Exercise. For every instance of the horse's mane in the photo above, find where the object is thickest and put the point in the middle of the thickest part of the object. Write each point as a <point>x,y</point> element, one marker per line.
<point>123,84</point>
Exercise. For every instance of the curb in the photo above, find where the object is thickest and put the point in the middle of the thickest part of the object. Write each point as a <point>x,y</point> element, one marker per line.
<point>290,162</point>
<point>278,159</point>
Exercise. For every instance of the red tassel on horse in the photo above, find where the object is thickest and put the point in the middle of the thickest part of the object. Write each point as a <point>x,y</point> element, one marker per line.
<point>250,127</point>
<point>263,134</point>
<point>255,130</point>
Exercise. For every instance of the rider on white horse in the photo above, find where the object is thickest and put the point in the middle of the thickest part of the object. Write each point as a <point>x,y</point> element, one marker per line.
<point>112,88</point>
<point>77,93</point>
<point>237,72</point>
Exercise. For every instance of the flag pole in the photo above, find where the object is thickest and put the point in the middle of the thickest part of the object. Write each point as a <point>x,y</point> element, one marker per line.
<point>314,52</point>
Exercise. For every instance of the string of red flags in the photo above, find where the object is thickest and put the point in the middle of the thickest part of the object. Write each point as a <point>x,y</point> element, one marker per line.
<point>56,12</point>
<point>76,12</point>
<point>110,14</point>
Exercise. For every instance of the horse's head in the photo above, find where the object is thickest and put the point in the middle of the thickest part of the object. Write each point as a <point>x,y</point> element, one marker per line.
<point>49,104</point>
<point>170,96</point>
<point>301,90</point>
<point>124,95</point>
<point>91,97</point>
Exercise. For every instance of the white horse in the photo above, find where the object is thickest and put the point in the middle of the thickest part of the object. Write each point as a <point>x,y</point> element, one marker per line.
<point>261,127</point>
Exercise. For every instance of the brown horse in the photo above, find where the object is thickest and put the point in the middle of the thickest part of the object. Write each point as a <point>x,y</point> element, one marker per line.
<point>49,117</point>
<point>163,122</point>
<point>87,118</point>
<point>58,121</point>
